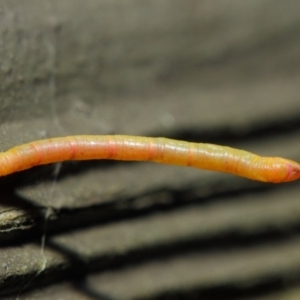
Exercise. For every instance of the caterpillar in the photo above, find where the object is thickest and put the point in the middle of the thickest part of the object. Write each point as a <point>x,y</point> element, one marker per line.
<point>159,150</point>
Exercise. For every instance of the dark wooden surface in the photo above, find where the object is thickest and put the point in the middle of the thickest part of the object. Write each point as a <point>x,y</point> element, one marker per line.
<point>224,72</point>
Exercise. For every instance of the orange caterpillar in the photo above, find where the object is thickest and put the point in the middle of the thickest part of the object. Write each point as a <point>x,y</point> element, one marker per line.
<point>160,150</point>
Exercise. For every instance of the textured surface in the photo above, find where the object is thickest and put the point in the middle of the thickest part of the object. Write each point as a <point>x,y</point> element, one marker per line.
<point>221,72</point>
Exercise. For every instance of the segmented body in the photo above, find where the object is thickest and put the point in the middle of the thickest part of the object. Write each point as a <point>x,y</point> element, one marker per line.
<point>160,150</point>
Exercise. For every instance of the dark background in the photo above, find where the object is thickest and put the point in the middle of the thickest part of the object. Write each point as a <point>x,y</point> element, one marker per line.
<point>224,72</point>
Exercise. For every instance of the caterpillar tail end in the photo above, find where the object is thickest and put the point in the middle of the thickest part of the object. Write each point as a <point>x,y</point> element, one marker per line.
<point>293,171</point>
